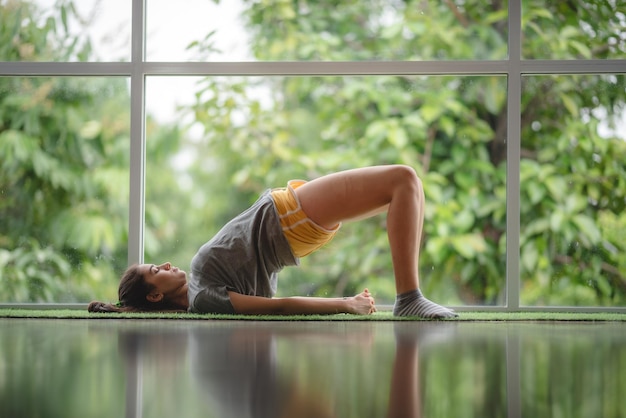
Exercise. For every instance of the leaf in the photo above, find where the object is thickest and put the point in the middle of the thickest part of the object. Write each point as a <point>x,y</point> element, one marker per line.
<point>582,49</point>
<point>464,220</point>
<point>430,112</point>
<point>569,32</point>
<point>64,18</point>
<point>436,248</point>
<point>433,192</point>
<point>447,125</point>
<point>415,120</point>
<point>468,245</point>
<point>456,107</point>
<point>537,226</point>
<point>494,96</point>
<point>557,219</point>
<point>575,203</point>
<point>529,257</point>
<point>604,285</point>
<point>464,180</point>
<point>557,187</point>
<point>468,272</point>
<point>541,12</point>
<point>588,227</point>
<point>535,191</point>
<point>397,136</point>
<point>569,104</point>
<point>497,16</point>
<point>536,29</point>
<point>376,131</point>
<point>489,207</point>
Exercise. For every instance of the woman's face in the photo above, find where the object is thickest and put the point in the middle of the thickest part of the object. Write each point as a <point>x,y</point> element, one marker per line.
<point>167,280</point>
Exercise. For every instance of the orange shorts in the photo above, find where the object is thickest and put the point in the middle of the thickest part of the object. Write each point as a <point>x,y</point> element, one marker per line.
<point>303,234</point>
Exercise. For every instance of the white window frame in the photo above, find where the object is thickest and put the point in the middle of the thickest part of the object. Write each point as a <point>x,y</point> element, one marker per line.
<point>514,68</point>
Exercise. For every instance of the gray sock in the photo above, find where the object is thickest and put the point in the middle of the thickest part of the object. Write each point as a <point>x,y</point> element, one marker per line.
<point>413,303</point>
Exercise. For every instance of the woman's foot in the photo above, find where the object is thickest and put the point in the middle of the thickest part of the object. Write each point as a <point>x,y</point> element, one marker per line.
<point>413,303</point>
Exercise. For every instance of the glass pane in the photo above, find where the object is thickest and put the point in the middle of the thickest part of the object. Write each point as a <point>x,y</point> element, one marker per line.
<point>237,136</point>
<point>574,29</point>
<point>573,189</point>
<point>245,30</point>
<point>65,30</point>
<point>64,187</point>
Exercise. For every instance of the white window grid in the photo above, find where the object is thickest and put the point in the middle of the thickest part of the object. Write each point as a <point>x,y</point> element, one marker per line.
<point>513,67</point>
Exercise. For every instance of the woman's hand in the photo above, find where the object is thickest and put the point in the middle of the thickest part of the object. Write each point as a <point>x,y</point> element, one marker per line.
<point>362,304</point>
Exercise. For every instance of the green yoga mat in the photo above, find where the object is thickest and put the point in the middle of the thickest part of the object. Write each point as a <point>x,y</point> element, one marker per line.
<point>378,316</point>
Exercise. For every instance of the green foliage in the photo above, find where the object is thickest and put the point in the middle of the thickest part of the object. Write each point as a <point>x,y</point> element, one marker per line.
<point>566,30</point>
<point>31,34</point>
<point>64,147</point>
<point>63,143</point>
<point>573,191</point>
<point>31,273</point>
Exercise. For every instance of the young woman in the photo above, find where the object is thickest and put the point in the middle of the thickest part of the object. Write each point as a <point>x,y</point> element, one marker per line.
<point>236,271</point>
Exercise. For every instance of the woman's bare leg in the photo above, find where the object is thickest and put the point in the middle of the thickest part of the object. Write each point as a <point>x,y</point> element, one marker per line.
<point>359,193</point>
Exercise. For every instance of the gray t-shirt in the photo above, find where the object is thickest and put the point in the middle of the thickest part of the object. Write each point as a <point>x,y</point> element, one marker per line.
<point>245,257</point>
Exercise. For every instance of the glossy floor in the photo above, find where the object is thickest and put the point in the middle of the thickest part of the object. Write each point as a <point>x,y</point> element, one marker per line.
<point>163,368</point>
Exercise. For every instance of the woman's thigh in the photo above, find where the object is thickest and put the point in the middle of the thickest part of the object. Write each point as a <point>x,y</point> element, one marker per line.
<point>353,194</point>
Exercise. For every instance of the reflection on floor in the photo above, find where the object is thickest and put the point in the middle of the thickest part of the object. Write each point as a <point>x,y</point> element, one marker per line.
<point>161,368</point>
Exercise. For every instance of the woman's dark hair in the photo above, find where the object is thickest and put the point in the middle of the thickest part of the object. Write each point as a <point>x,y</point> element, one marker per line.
<point>132,293</point>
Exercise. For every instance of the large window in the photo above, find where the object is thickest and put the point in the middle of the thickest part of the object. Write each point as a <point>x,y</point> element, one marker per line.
<point>132,131</point>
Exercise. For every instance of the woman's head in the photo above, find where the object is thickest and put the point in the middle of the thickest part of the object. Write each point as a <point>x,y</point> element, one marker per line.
<point>148,287</point>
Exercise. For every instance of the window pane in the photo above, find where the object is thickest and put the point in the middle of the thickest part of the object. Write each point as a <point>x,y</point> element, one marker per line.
<point>573,180</point>
<point>247,134</point>
<point>61,31</point>
<point>574,29</point>
<point>64,176</point>
<point>244,30</point>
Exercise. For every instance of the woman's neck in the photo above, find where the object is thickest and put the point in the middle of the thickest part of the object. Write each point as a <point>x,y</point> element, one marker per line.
<point>181,299</point>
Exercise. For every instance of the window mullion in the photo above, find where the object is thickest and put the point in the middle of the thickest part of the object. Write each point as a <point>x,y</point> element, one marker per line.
<point>137,136</point>
<point>514,99</point>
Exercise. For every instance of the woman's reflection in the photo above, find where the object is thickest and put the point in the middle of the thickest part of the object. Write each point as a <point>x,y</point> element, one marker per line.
<point>239,374</point>
<point>238,369</point>
<point>405,394</point>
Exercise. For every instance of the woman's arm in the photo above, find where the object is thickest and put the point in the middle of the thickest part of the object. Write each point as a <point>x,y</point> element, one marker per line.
<point>362,304</point>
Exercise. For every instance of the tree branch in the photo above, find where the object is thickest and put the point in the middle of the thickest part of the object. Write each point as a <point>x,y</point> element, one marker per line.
<point>459,16</point>
<point>613,275</point>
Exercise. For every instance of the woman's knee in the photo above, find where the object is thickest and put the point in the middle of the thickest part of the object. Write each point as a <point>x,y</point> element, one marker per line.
<point>406,178</point>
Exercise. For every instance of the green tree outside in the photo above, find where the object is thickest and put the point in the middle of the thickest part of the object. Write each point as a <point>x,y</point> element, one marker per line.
<point>63,141</point>
<point>64,167</point>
